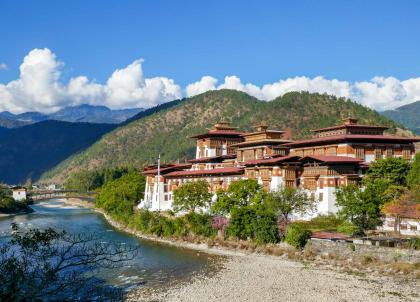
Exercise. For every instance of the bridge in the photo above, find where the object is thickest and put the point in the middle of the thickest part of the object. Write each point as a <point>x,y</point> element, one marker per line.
<point>52,194</point>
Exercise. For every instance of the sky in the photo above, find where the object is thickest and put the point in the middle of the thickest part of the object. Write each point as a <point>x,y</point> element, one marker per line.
<point>126,54</point>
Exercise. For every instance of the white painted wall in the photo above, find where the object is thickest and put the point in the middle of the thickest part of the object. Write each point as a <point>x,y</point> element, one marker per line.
<point>19,195</point>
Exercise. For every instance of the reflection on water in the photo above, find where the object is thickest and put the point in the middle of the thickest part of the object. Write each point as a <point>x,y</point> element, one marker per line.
<point>155,264</point>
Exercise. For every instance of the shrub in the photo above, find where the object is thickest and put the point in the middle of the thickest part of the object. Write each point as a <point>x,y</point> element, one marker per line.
<point>347,228</point>
<point>266,230</point>
<point>180,225</point>
<point>199,224</point>
<point>414,243</point>
<point>241,224</point>
<point>297,236</point>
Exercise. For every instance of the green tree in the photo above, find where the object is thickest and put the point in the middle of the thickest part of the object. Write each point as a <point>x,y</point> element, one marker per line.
<point>362,206</point>
<point>191,196</point>
<point>391,169</point>
<point>413,176</point>
<point>288,201</point>
<point>118,197</point>
<point>240,193</point>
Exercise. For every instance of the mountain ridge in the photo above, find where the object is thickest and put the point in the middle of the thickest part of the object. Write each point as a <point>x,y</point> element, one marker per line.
<point>407,115</point>
<point>81,113</point>
<point>167,131</point>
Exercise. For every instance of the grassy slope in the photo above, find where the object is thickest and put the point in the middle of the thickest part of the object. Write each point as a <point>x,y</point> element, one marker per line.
<point>167,132</point>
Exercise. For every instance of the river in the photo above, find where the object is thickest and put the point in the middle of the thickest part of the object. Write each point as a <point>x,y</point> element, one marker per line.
<point>156,265</point>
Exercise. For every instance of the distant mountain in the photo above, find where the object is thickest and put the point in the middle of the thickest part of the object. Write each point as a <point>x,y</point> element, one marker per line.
<point>94,114</point>
<point>407,115</point>
<point>167,131</point>
<point>28,151</point>
<point>82,113</point>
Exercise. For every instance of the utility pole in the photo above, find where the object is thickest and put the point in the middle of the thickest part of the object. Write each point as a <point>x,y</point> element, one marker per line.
<point>158,183</point>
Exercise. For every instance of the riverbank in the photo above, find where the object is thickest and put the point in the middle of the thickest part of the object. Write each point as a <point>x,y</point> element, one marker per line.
<point>248,276</point>
<point>27,210</point>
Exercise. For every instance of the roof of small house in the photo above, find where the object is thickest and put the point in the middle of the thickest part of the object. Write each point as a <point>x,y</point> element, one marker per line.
<point>212,158</point>
<point>271,161</point>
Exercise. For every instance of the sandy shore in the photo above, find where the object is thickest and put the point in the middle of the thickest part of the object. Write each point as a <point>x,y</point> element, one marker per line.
<point>252,277</point>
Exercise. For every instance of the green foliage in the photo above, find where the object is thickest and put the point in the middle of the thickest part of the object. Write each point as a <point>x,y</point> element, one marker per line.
<point>347,228</point>
<point>165,132</point>
<point>241,223</point>
<point>413,176</point>
<point>322,223</point>
<point>240,193</point>
<point>392,169</point>
<point>192,196</point>
<point>362,207</point>
<point>414,243</point>
<point>118,197</point>
<point>265,228</point>
<point>199,224</point>
<point>297,236</point>
<point>85,181</point>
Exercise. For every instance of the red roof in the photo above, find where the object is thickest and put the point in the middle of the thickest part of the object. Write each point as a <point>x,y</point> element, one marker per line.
<point>167,169</point>
<point>333,159</point>
<point>209,159</point>
<point>219,133</point>
<point>270,161</point>
<point>330,235</point>
<point>220,171</point>
<point>353,137</point>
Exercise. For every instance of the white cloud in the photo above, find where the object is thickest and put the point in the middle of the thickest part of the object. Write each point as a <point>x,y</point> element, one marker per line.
<point>40,88</point>
<point>379,93</point>
<point>3,66</point>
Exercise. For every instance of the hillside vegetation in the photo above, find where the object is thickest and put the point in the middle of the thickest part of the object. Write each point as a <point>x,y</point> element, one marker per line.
<point>168,131</point>
<point>407,115</point>
<point>26,152</point>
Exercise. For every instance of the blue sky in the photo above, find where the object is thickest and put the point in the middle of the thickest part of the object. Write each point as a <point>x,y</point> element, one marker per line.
<point>259,42</point>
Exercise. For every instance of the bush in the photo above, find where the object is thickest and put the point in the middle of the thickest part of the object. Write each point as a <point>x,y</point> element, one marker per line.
<point>297,236</point>
<point>414,243</point>
<point>241,224</point>
<point>200,224</point>
<point>347,228</point>
<point>266,230</point>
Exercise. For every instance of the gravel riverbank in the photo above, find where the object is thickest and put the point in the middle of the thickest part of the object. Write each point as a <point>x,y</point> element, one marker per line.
<point>253,277</point>
<point>265,278</point>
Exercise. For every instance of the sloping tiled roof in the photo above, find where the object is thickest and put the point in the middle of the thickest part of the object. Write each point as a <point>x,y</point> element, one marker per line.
<point>332,159</point>
<point>167,169</point>
<point>270,161</point>
<point>219,133</point>
<point>330,235</point>
<point>212,158</point>
<point>353,137</point>
<point>350,126</point>
<point>219,171</point>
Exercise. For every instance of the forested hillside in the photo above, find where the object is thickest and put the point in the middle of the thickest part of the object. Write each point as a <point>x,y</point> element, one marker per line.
<point>168,131</point>
<point>407,115</point>
<point>26,152</point>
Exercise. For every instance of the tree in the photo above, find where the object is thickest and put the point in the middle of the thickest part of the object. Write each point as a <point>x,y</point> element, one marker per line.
<point>118,197</point>
<point>413,176</point>
<point>286,202</point>
<point>240,193</point>
<point>55,266</point>
<point>391,169</point>
<point>362,207</point>
<point>192,195</point>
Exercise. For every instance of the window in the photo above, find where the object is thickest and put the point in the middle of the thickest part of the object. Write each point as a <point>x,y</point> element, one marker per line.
<point>406,153</point>
<point>378,153</point>
<point>360,152</point>
<point>413,228</point>
<point>403,226</point>
<point>389,152</point>
<point>332,151</point>
<point>321,196</point>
